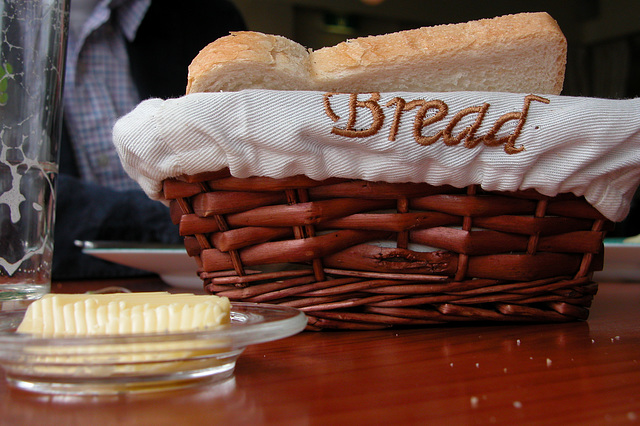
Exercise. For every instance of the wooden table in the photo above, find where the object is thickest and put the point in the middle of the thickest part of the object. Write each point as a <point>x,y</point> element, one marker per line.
<point>576,373</point>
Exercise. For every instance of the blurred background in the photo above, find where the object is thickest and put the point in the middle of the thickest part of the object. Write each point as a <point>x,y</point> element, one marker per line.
<point>603,36</point>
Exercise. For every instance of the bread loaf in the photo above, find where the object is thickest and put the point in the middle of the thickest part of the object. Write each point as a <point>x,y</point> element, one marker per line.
<point>245,60</point>
<point>521,53</point>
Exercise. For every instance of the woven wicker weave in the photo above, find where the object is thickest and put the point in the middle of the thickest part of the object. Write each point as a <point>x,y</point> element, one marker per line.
<point>317,246</point>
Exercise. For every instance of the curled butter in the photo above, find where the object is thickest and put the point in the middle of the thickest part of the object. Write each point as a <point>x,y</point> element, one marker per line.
<point>123,313</point>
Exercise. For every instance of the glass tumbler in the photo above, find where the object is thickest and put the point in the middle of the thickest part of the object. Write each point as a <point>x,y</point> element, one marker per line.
<point>33,38</point>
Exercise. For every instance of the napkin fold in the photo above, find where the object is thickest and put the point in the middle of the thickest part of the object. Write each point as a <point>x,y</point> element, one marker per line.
<point>500,141</point>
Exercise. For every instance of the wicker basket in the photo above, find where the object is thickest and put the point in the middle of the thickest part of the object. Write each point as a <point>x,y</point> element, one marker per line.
<point>316,246</point>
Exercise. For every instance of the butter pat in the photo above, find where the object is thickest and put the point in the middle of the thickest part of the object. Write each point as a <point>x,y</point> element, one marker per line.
<point>67,315</point>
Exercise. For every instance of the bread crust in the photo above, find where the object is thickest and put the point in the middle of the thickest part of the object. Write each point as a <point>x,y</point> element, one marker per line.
<point>523,52</point>
<point>245,49</point>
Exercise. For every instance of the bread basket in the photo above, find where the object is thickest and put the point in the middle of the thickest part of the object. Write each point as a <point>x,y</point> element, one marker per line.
<point>494,256</point>
<point>513,244</point>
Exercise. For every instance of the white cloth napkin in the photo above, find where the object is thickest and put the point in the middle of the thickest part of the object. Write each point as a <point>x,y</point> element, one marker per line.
<point>586,146</point>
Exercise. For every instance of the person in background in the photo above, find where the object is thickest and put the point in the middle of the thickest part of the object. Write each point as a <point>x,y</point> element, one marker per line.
<point>119,53</point>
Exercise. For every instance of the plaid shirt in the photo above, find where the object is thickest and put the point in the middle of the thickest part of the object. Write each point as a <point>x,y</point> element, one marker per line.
<point>99,88</point>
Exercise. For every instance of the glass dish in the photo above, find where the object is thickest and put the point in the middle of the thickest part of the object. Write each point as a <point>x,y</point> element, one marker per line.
<point>141,362</point>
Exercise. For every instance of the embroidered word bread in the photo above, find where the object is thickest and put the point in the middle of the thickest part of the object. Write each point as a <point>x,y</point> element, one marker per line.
<point>520,53</point>
<point>68,315</point>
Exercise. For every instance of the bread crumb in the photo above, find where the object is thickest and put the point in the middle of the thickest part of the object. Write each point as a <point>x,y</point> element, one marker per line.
<point>549,362</point>
<point>474,401</point>
<point>517,404</point>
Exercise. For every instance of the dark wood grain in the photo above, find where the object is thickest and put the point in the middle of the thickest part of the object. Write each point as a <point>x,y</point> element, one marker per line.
<point>570,373</point>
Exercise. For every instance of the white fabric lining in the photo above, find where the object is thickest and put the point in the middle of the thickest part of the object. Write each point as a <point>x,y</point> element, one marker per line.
<point>586,146</point>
